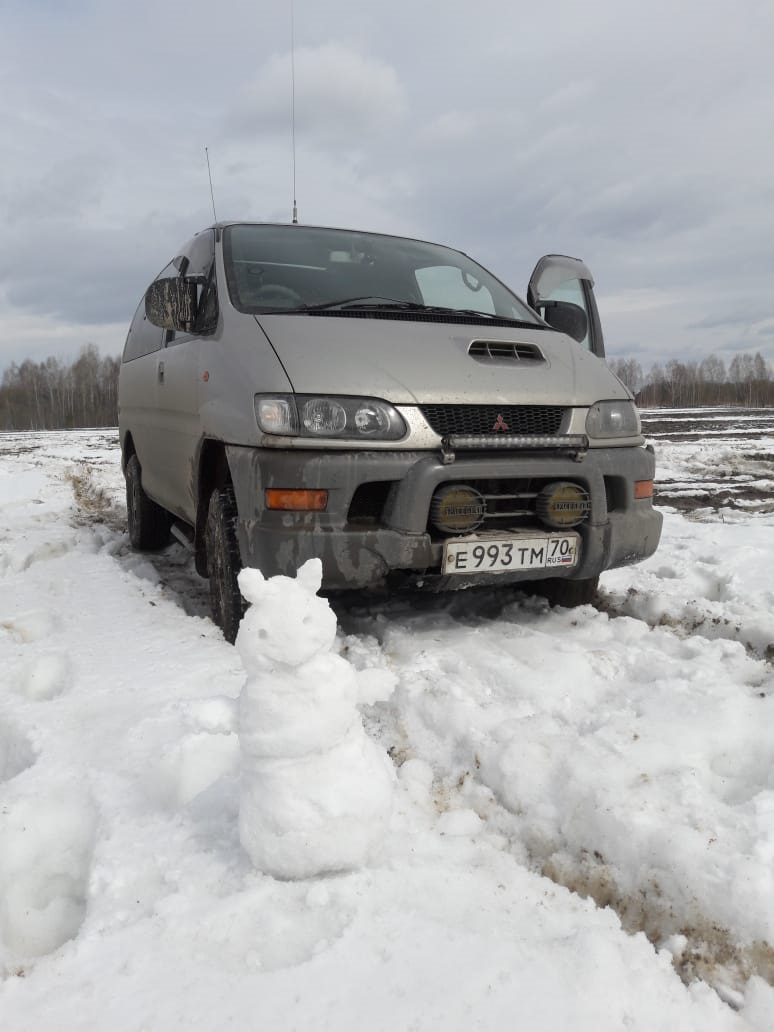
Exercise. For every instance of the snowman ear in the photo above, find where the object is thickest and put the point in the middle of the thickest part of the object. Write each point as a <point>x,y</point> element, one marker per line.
<point>250,583</point>
<point>309,576</point>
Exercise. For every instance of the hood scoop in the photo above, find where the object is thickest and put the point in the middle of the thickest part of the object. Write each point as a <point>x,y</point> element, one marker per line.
<point>485,350</point>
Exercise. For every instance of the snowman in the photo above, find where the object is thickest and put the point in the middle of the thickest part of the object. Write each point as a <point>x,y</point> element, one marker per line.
<point>316,791</point>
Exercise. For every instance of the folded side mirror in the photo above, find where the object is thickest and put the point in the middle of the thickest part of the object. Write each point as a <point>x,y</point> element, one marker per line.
<point>566,317</point>
<point>172,303</point>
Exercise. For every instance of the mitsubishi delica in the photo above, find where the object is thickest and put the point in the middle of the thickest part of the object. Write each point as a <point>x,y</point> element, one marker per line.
<point>382,403</point>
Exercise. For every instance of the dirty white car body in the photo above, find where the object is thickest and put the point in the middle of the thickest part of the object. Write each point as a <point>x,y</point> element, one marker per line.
<point>384,404</point>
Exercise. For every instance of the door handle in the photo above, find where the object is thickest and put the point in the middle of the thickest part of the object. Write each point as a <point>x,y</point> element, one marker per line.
<point>161,372</point>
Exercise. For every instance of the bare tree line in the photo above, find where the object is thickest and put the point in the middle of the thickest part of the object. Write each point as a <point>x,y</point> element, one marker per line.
<point>53,395</point>
<point>746,382</point>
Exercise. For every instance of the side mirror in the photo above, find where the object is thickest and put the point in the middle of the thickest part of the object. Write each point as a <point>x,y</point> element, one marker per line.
<point>172,303</point>
<point>565,317</point>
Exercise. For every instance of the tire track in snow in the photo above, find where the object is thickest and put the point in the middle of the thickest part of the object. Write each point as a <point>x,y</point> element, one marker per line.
<point>701,617</point>
<point>700,947</point>
<point>99,502</point>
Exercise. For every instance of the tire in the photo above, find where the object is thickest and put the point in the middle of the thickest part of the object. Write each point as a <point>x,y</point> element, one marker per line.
<point>148,523</point>
<point>224,562</point>
<point>568,593</point>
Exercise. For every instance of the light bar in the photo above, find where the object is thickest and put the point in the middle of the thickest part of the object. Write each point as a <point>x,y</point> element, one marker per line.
<point>566,442</point>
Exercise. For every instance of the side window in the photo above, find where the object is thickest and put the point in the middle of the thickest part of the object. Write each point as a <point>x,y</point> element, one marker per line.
<point>200,253</point>
<point>450,287</point>
<point>143,337</point>
<point>572,290</point>
<point>169,271</point>
<point>196,259</point>
<point>561,289</point>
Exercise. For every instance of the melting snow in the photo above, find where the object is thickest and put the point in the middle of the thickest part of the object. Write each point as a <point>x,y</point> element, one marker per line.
<point>582,802</point>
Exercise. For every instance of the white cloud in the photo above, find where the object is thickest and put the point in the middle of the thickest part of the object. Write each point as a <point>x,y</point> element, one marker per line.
<point>454,127</point>
<point>627,302</point>
<point>339,94</point>
<point>634,139</point>
<point>39,337</point>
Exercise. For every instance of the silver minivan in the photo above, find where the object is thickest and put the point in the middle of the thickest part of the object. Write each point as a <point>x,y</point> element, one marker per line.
<point>384,404</point>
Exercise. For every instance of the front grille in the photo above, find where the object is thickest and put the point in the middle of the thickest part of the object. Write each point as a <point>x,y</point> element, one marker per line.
<point>488,419</point>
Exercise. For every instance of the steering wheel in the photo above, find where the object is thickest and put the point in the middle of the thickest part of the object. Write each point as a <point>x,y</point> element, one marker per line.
<point>276,294</point>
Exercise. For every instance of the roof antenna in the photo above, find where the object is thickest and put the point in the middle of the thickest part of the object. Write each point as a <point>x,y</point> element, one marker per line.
<point>212,193</point>
<point>293,103</point>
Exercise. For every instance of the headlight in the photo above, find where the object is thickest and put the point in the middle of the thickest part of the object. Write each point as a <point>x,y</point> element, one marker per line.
<point>302,415</point>
<point>613,419</point>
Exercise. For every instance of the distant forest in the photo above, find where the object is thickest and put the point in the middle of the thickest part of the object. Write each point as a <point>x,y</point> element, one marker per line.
<point>53,395</point>
<point>747,382</point>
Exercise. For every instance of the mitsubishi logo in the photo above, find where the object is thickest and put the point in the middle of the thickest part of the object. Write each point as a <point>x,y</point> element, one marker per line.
<point>499,423</point>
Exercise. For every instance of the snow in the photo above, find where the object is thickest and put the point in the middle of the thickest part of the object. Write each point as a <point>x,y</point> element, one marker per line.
<point>582,802</point>
<point>315,790</point>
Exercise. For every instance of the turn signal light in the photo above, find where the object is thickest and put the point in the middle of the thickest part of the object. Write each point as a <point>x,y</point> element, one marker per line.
<point>304,501</point>
<point>643,488</point>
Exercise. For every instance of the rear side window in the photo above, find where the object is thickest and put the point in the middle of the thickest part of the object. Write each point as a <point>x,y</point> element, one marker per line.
<point>143,337</point>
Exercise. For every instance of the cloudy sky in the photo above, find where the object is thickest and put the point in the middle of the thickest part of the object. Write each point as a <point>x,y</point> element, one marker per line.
<point>636,134</point>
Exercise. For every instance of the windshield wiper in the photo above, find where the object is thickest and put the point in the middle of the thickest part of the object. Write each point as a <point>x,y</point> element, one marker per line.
<point>375,303</point>
<point>366,301</point>
<point>463,311</point>
<point>386,304</point>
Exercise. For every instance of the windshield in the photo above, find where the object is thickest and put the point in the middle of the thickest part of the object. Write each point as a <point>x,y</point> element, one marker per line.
<point>291,268</point>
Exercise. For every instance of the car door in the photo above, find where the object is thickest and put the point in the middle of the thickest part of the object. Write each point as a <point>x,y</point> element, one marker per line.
<point>557,280</point>
<point>137,415</point>
<point>178,396</point>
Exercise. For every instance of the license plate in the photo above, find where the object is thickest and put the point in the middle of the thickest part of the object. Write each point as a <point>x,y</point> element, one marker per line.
<point>529,551</point>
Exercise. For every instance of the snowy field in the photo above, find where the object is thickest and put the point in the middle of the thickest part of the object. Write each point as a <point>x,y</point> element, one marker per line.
<point>582,826</point>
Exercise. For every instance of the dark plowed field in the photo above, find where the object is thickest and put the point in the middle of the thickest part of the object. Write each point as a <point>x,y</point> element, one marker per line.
<point>710,460</point>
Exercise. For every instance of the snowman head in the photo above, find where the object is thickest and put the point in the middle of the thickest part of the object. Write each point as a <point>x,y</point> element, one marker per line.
<point>287,621</point>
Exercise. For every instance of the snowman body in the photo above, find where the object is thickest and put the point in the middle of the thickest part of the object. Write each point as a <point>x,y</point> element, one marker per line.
<point>316,791</point>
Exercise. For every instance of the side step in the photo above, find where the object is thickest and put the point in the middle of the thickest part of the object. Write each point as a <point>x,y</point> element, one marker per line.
<point>184,534</point>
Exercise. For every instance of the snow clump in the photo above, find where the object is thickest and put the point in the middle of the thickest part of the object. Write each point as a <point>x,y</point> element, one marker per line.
<point>316,791</point>
<point>45,862</point>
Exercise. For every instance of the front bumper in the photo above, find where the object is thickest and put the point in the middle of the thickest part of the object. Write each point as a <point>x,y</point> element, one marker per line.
<point>370,552</point>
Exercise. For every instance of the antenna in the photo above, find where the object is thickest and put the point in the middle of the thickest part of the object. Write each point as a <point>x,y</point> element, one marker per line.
<point>212,193</point>
<point>293,102</point>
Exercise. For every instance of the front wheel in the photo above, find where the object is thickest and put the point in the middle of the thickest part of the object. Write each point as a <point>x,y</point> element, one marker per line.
<point>148,523</point>
<point>568,593</point>
<point>224,562</point>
